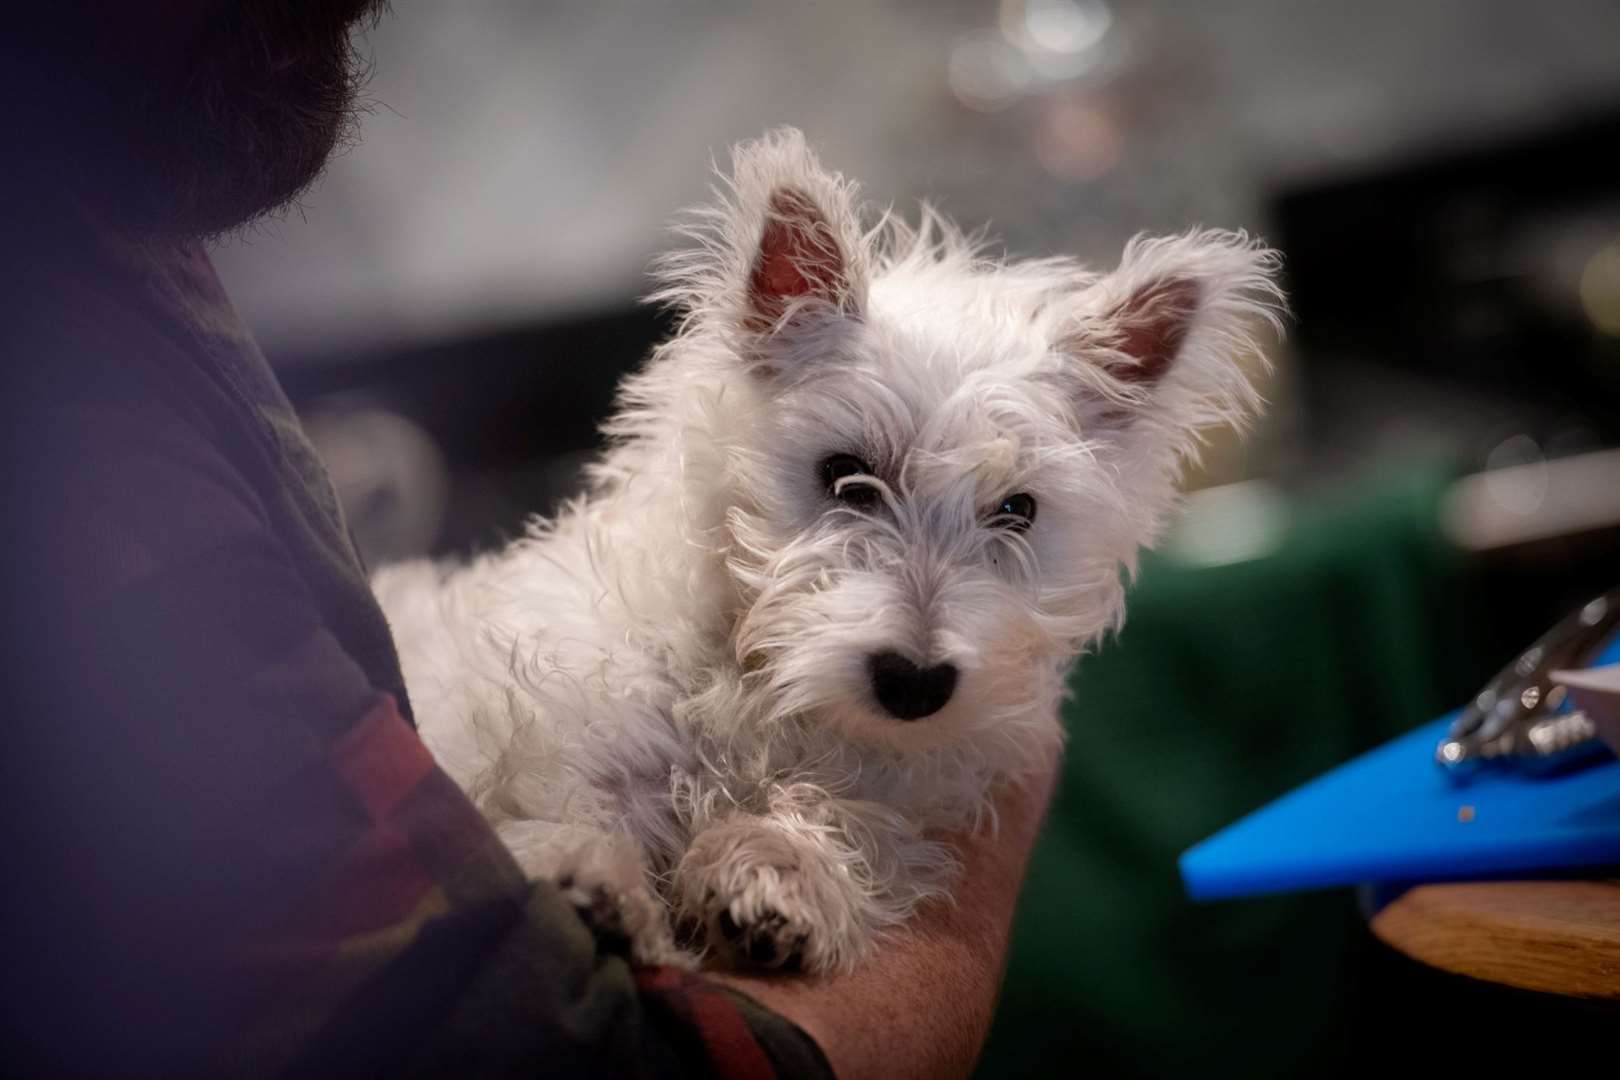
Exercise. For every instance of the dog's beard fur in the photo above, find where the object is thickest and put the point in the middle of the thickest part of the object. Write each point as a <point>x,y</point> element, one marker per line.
<point>682,656</point>
<point>920,573</point>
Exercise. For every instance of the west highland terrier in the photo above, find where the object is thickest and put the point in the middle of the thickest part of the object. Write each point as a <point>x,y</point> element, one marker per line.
<point>855,521</point>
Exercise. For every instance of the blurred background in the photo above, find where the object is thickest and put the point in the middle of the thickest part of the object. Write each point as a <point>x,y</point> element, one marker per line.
<point>1435,481</point>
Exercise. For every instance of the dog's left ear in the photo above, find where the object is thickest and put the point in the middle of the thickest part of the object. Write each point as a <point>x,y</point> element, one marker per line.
<point>782,253</point>
<point>1159,346</point>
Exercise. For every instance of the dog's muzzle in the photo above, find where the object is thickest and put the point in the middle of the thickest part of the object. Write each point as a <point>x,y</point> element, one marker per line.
<point>909,692</point>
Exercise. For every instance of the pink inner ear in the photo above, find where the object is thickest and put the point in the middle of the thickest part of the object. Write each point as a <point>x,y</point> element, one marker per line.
<point>1153,323</point>
<point>798,256</point>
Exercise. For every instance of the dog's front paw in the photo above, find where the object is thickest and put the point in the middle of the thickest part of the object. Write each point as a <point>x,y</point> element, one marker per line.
<point>601,877</point>
<point>766,899</point>
<point>602,909</point>
<point>624,917</point>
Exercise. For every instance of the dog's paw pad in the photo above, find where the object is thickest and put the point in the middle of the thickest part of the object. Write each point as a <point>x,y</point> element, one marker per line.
<point>602,912</point>
<point>767,941</point>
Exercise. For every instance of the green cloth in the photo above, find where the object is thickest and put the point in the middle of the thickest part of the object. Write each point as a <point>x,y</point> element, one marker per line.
<point>1229,686</point>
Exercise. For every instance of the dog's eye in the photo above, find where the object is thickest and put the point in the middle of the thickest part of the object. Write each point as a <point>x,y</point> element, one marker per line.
<point>1016,512</point>
<point>840,466</point>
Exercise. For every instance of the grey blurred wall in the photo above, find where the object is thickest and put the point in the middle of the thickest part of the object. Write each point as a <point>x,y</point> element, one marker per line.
<point>520,161</point>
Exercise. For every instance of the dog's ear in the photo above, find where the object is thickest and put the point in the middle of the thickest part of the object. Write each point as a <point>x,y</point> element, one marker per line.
<point>1164,345</point>
<point>782,250</point>
<point>800,262</point>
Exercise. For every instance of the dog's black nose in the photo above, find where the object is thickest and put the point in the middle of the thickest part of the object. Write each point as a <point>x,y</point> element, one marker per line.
<point>907,691</point>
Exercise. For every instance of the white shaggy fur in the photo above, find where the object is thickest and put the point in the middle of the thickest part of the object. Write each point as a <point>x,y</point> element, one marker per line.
<point>662,698</point>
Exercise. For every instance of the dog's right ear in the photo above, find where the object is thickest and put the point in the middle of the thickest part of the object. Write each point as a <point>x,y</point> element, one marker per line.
<point>782,252</point>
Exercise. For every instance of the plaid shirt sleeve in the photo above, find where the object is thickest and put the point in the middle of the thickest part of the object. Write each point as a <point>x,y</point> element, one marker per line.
<point>228,853</point>
<point>224,878</point>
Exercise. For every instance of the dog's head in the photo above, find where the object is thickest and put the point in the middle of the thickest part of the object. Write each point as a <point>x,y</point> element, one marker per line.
<point>936,466</point>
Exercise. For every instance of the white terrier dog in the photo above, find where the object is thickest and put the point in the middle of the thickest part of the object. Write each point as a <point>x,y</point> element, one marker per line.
<point>856,520</point>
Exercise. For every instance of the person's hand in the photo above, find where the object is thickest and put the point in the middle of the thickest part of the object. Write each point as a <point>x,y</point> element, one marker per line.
<point>922,1005</point>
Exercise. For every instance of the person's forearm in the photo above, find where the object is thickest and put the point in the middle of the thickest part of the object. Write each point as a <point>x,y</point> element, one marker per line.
<point>922,1005</point>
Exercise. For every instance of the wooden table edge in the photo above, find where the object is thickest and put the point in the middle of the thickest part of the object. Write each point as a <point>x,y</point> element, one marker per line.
<point>1553,937</point>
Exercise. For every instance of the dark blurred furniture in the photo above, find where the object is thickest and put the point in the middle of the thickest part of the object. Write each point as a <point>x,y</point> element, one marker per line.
<point>514,411</point>
<point>1436,299</point>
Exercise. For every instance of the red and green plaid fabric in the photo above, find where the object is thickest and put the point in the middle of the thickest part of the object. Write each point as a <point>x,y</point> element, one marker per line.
<point>424,867</point>
<point>228,851</point>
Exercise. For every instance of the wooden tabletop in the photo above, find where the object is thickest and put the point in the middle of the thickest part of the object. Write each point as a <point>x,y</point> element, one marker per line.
<point>1556,937</point>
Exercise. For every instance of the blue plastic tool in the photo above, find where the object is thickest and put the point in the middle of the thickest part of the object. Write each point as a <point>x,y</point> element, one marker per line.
<point>1393,816</point>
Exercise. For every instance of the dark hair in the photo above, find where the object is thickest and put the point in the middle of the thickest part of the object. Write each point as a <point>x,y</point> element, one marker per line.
<point>236,126</point>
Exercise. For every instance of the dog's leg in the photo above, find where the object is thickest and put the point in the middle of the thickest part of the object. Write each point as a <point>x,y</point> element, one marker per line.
<point>603,876</point>
<point>770,894</point>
